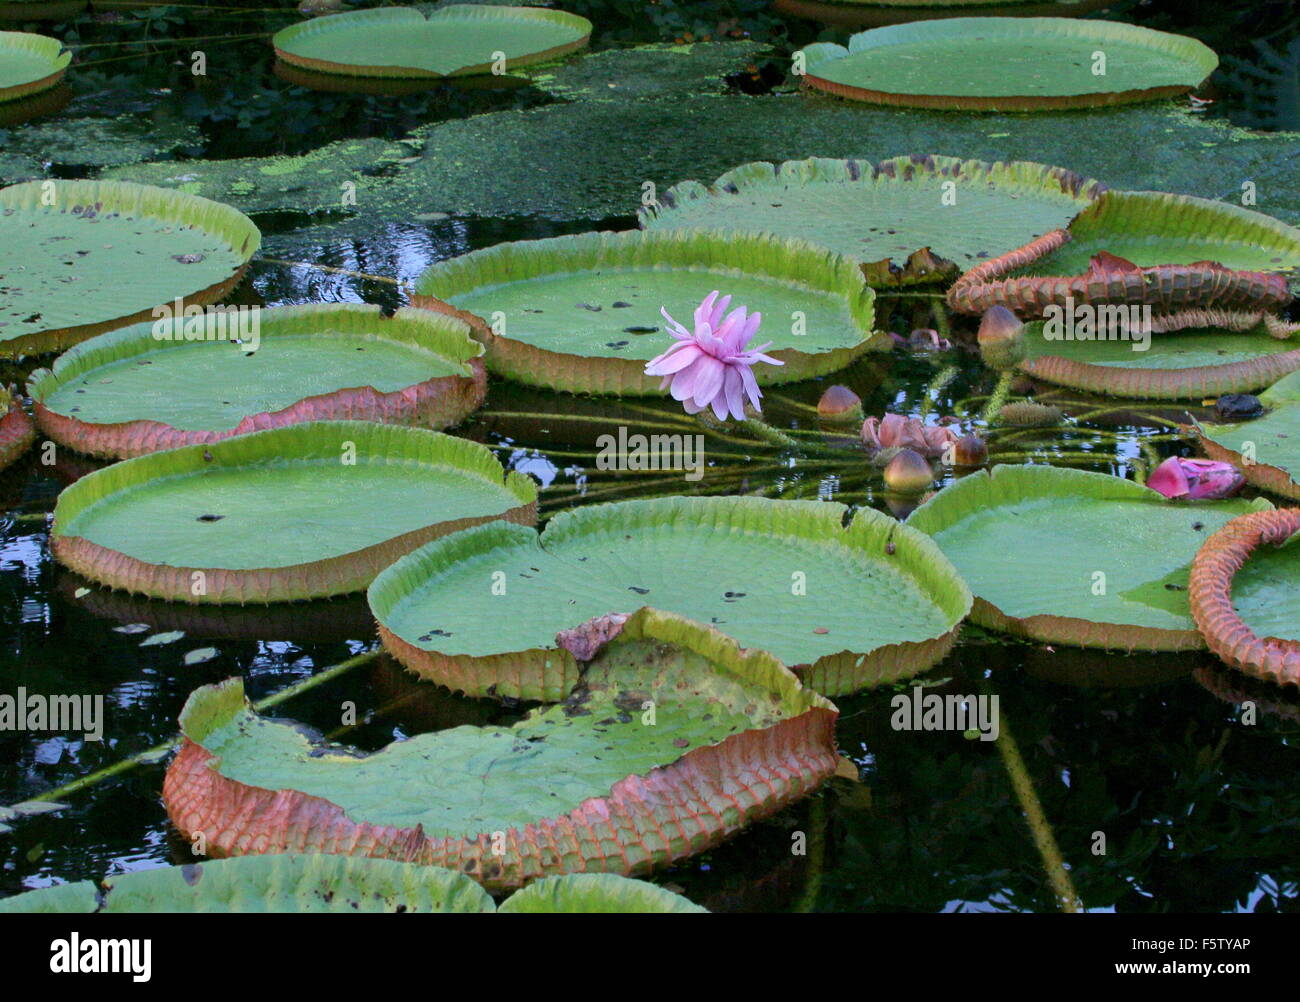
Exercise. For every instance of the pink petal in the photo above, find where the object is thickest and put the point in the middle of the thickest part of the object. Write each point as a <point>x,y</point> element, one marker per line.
<point>676,358</point>
<point>709,380</point>
<point>734,388</point>
<point>1169,479</point>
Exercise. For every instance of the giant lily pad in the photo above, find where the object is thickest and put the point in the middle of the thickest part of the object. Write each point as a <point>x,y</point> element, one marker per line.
<point>1174,253</point>
<point>16,429</point>
<point>1245,598</point>
<point>1067,556</point>
<point>455,41</point>
<point>1188,365</point>
<point>873,13</point>
<point>282,883</point>
<point>1267,449</point>
<point>30,63</point>
<point>158,386</point>
<point>581,313</point>
<point>305,511</point>
<point>849,607</point>
<point>83,257</point>
<point>596,893</point>
<point>909,219</point>
<point>320,882</point>
<point>1009,64</point>
<point>673,740</point>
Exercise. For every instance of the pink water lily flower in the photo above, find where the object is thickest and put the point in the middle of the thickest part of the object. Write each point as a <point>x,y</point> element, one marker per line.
<point>896,431</point>
<point>711,366</point>
<point>1195,479</point>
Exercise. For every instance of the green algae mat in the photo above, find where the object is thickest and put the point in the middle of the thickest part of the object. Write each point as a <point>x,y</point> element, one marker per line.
<point>673,740</point>
<point>1008,63</point>
<point>257,518</point>
<point>455,41</point>
<point>886,215</point>
<point>582,313</point>
<point>1066,556</point>
<point>30,63</point>
<point>200,379</point>
<point>848,607</point>
<point>83,257</point>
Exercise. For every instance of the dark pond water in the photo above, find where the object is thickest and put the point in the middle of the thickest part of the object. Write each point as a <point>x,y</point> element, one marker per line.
<point>1198,812</point>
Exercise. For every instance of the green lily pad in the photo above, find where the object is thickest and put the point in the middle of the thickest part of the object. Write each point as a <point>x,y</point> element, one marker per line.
<point>84,257</point>
<point>849,607</point>
<point>1067,556</point>
<point>318,882</point>
<point>673,740</point>
<point>285,883</point>
<point>17,432</point>
<point>1009,63</point>
<point>874,13</point>
<point>264,517</point>
<point>1267,449</point>
<point>30,63</point>
<point>960,211</point>
<point>596,893</point>
<point>581,313</point>
<point>455,41</point>
<point>1186,365</point>
<point>158,386</point>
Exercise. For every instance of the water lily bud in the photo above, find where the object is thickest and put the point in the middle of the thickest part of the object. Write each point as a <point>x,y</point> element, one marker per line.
<point>1001,338</point>
<point>839,403</point>
<point>970,450</point>
<point>909,472</point>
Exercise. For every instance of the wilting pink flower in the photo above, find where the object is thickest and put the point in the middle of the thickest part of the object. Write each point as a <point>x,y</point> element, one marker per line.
<point>711,367</point>
<point>896,431</point>
<point>1195,479</point>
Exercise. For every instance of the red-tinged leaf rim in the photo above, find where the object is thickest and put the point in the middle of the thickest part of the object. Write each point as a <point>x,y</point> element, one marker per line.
<point>1266,449</point>
<point>877,13</point>
<point>1273,659</point>
<point>960,63</point>
<point>779,746</point>
<point>1192,364</point>
<point>1195,255</point>
<point>427,341</point>
<point>840,204</point>
<point>454,41</point>
<point>263,517</point>
<point>771,275</point>
<point>128,290</point>
<point>890,604</point>
<point>17,432</point>
<point>30,63</point>
<point>1032,541</point>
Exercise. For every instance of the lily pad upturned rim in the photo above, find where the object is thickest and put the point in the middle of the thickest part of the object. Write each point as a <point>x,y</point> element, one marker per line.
<point>1200,59</point>
<point>1274,479</point>
<point>1168,288</point>
<point>338,575</point>
<point>1150,383</point>
<point>675,810</point>
<point>50,49</point>
<point>411,15</point>
<point>749,253</point>
<point>610,893</point>
<point>17,432</point>
<point>985,489</point>
<point>216,218</point>
<point>1209,591</point>
<point>922,265</point>
<point>878,13</point>
<point>548,672</point>
<point>434,403</point>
